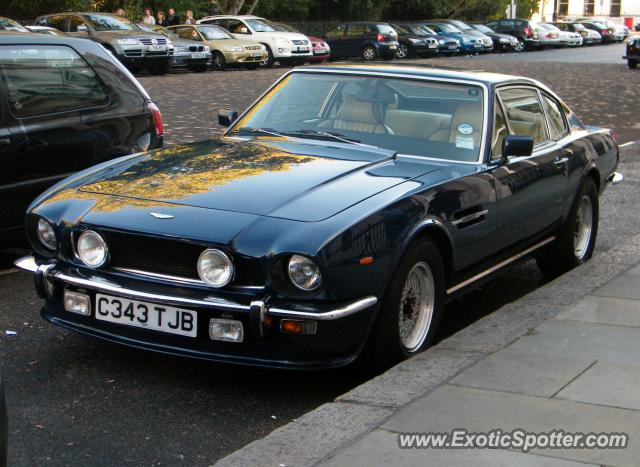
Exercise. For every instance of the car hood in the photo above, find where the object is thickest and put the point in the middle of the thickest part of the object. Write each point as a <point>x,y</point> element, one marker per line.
<point>281,34</point>
<point>277,177</point>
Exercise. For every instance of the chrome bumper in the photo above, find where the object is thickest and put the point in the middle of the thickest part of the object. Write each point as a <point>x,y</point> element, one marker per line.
<point>47,271</point>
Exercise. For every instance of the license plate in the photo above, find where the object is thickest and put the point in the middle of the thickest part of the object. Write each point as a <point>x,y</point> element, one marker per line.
<point>432,46</point>
<point>321,50</point>
<point>451,47</point>
<point>157,48</point>
<point>194,56</point>
<point>146,315</point>
<point>392,47</point>
<point>303,49</point>
<point>256,54</point>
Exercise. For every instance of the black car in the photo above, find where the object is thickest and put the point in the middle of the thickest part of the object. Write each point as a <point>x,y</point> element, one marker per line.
<point>412,44</point>
<point>446,45</point>
<point>501,42</point>
<point>522,29</point>
<point>607,33</point>
<point>339,213</point>
<point>65,104</point>
<point>135,48</point>
<point>368,40</point>
<point>633,52</point>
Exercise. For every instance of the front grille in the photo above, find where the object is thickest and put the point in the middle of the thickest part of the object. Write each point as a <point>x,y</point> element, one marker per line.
<point>299,42</point>
<point>159,41</point>
<point>253,47</point>
<point>172,258</point>
<point>133,52</point>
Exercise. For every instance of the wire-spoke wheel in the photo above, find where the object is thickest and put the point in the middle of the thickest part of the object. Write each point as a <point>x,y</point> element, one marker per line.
<point>577,238</point>
<point>416,306</point>
<point>411,308</point>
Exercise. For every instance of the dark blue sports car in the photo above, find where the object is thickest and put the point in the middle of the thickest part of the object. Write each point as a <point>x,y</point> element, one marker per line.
<point>339,213</point>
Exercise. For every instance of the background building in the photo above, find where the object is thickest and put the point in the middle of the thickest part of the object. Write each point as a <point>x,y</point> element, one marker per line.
<point>615,10</point>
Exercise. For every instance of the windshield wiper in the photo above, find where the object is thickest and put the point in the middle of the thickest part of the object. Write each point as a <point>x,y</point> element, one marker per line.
<point>327,134</point>
<point>264,131</point>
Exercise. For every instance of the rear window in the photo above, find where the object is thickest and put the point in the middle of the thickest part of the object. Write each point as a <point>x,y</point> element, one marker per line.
<point>48,79</point>
<point>385,29</point>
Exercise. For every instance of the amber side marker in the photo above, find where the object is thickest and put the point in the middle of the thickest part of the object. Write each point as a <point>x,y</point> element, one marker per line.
<point>297,326</point>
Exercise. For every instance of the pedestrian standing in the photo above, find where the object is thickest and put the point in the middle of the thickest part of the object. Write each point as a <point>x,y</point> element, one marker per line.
<point>160,19</point>
<point>148,17</point>
<point>173,19</point>
<point>190,19</point>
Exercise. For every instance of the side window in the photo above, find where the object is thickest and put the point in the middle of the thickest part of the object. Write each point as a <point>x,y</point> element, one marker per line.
<point>77,24</point>
<point>500,130</point>
<point>237,27</point>
<point>524,113</point>
<point>337,32</point>
<point>48,79</point>
<point>183,32</point>
<point>435,27</point>
<point>357,30</point>
<point>555,117</point>
<point>59,22</point>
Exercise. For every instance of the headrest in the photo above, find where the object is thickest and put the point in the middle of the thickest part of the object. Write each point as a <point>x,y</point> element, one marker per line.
<point>355,110</point>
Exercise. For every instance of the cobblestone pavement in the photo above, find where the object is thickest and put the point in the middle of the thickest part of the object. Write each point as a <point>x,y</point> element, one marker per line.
<point>74,401</point>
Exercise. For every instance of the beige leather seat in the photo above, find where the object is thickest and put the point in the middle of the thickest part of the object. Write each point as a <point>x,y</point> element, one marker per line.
<point>525,123</point>
<point>356,115</point>
<point>414,124</point>
<point>470,114</point>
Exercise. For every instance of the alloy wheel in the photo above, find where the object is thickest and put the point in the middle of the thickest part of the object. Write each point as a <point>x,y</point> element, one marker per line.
<point>583,228</point>
<point>403,51</point>
<point>417,303</point>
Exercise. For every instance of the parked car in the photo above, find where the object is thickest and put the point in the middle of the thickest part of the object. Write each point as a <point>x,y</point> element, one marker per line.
<point>524,30</point>
<point>287,48</point>
<point>487,42</point>
<point>633,52</point>
<point>134,48</point>
<point>606,33</point>
<point>45,30</point>
<point>321,50</point>
<point>368,40</point>
<point>501,42</point>
<point>225,49</point>
<point>7,24</point>
<point>468,44</point>
<point>411,44</point>
<point>3,426</point>
<point>187,53</point>
<point>549,35</point>
<point>589,36</point>
<point>446,45</point>
<point>343,209</point>
<point>65,104</point>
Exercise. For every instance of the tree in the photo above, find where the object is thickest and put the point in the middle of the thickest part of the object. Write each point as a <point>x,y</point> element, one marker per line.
<point>233,7</point>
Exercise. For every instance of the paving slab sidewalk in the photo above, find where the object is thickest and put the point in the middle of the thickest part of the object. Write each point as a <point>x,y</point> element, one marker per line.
<point>565,357</point>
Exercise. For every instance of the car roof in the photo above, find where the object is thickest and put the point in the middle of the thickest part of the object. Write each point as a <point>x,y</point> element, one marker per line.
<point>428,72</point>
<point>10,37</point>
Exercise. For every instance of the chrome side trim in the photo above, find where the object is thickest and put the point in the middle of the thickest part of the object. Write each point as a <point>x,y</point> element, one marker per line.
<point>182,280</point>
<point>470,217</point>
<point>338,313</point>
<point>499,265</point>
<point>615,178</point>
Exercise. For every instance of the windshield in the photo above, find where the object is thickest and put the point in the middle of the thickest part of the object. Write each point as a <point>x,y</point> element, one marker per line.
<point>416,117</point>
<point>286,28</point>
<point>425,29</point>
<point>578,27</point>
<point>261,25</point>
<point>483,28</point>
<point>108,23</point>
<point>403,30</point>
<point>449,28</point>
<point>460,25</point>
<point>9,25</point>
<point>214,33</point>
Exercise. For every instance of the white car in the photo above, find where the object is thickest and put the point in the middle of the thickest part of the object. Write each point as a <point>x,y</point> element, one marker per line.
<point>288,48</point>
<point>570,39</point>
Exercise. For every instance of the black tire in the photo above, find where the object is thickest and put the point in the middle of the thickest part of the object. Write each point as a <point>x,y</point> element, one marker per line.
<point>562,255</point>
<point>218,62</point>
<point>385,346</point>
<point>369,53</point>
<point>270,60</point>
<point>632,63</point>
<point>159,69</point>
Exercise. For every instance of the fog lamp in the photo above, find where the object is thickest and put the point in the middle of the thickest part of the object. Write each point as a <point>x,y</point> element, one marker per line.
<point>226,330</point>
<point>77,303</point>
<point>296,326</point>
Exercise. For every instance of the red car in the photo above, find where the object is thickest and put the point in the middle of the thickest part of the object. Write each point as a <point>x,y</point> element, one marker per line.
<point>321,49</point>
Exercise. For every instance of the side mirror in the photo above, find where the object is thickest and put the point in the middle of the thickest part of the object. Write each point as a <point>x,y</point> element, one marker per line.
<point>227,117</point>
<point>517,146</point>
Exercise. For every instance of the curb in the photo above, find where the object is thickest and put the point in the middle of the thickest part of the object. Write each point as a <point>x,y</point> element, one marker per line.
<point>331,427</point>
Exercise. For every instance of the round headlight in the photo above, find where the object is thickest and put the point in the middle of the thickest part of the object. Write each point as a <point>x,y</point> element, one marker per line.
<point>92,249</point>
<point>215,268</point>
<point>304,273</point>
<point>46,234</point>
